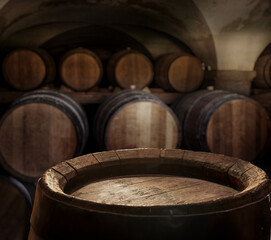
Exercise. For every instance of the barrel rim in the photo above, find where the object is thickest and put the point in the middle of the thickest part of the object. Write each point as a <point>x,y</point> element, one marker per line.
<point>54,181</point>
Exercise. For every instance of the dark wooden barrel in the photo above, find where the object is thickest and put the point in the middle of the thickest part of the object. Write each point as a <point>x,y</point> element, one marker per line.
<point>262,68</point>
<point>28,68</point>
<point>130,68</point>
<point>134,118</point>
<point>15,210</point>
<point>179,72</point>
<point>40,129</point>
<point>80,69</point>
<point>265,100</point>
<point>223,122</point>
<point>152,194</point>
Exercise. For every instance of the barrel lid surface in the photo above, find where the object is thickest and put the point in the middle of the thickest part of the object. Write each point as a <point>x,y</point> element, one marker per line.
<point>133,68</point>
<point>250,183</point>
<point>80,69</point>
<point>24,69</point>
<point>34,137</point>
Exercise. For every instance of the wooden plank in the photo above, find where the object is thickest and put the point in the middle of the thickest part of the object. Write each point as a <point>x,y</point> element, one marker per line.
<point>96,96</point>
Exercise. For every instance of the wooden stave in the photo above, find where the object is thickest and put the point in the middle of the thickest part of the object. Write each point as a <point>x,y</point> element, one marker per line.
<point>113,104</point>
<point>85,51</point>
<point>55,194</point>
<point>113,63</point>
<point>162,66</point>
<point>49,63</point>
<point>22,190</point>
<point>262,67</point>
<point>65,104</point>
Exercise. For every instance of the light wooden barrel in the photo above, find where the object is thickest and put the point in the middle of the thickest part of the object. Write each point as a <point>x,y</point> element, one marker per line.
<point>80,69</point>
<point>130,68</point>
<point>223,122</point>
<point>15,210</point>
<point>134,118</point>
<point>28,68</point>
<point>263,70</point>
<point>179,72</point>
<point>152,194</point>
<point>40,129</point>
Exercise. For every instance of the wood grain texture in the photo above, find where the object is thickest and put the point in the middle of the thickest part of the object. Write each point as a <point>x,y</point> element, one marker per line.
<point>36,136</point>
<point>111,194</point>
<point>133,118</point>
<point>223,122</point>
<point>26,69</point>
<point>80,69</point>
<point>238,128</point>
<point>130,68</point>
<point>152,190</point>
<point>142,124</point>
<point>178,72</point>
<point>15,210</point>
<point>262,67</point>
<point>40,129</point>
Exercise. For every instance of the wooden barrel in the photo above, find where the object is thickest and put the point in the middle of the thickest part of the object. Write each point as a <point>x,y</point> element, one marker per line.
<point>134,118</point>
<point>15,210</point>
<point>265,100</point>
<point>39,130</point>
<point>178,72</point>
<point>80,69</point>
<point>27,69</point>
<point>152,194</point>
<point>223,122</point>
<point>262,68</point>
<point>130,68</point>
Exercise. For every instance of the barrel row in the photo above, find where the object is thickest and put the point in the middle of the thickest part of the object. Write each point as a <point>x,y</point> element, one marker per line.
<point>81,69</point>
<point>44,127</point>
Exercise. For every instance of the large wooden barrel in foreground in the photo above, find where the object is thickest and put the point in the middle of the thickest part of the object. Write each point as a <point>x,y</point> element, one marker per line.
<point>223,122</point>
<point>134,118</point>
<point>130,68</point>
<point>40,129</point>
<point>178,72</point>
<point>263,70</point>
<point>80,69</point>
<point>152,194</point>
<point>15,210</point>
<point>27,69</point>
